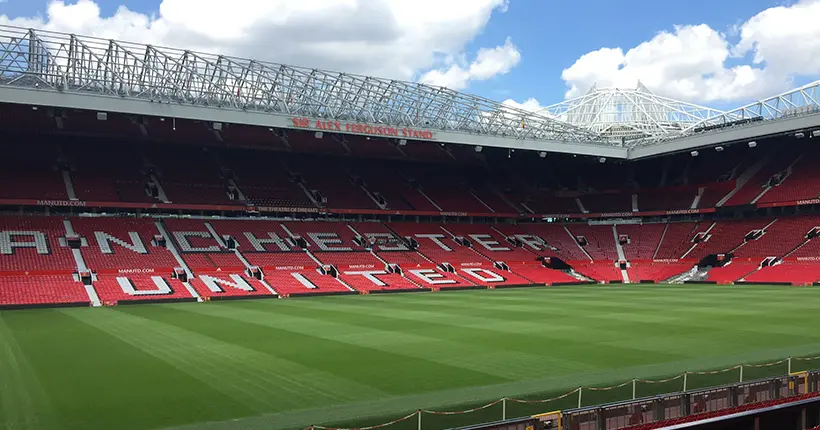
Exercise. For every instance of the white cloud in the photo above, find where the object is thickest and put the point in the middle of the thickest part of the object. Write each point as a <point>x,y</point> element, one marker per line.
<point>531,104</point>
<point>390,38</point>
<point>487,64</point>
<point>697,63</point>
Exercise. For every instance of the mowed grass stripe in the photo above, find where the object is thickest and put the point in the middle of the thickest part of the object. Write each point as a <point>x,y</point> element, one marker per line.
<point>448,345</point>
<point>257,381</point>
<point>93,379</point>
<point>23,403</point>
<point>291,363</point>
<point>356,364</point>
<point>405,343</point>
<point>492,330</point>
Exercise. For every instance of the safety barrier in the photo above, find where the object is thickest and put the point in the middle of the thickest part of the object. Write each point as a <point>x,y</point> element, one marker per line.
<point>589,396</point>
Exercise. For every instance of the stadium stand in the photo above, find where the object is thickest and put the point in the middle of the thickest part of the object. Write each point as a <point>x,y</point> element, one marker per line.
<point>123,245</point>
<point>40,290</point>
<point>113,289</point>
<point>437,216</point>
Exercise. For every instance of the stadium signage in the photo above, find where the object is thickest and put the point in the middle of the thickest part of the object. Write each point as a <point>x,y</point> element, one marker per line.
<point>70,203</point>
<point>363,128</point>
<point>281,209</point>
<point>134,271</point>
<point>683,212</point>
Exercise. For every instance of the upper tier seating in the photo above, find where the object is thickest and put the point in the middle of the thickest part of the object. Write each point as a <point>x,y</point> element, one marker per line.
<point>31,245</point>
<point>596,203</point>
<point>392,186</point>
<point>546,204</point>
<point>263,180</point>
<point>714,193</point>
<point>123,245</point>
<point>24,290</point>
<point>773,165</point>
<point>31,173</point>
<point>667,199</point>
<point>106,173</point>
<point>190,176</point>
<point>447,187</point>
<point>332,181</point>
<point>802,184</point>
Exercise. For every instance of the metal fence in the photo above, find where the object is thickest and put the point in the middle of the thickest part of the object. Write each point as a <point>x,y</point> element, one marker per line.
<point>581,405</point>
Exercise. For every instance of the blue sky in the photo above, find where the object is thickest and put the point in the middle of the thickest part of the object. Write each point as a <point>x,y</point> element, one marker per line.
<point>718,53</point>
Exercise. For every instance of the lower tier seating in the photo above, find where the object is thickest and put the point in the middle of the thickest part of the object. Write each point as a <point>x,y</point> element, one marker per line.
<point>732,272</point>
<point>41,290</point>
<point>375,280</point>
<point>542,275</point>
<point>490,276</point>
<point>794,272</point>
<point>299,282</point>
<point>432,277</point>
<point>217,285</point>
<point>152,287</point>
<point>656,271</point>
<point>605,271</point>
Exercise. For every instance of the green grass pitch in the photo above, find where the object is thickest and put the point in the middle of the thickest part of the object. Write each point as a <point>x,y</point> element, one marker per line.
<point>368,359</point>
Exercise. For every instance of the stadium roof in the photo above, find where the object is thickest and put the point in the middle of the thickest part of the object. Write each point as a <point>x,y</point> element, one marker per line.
<point>629,115</point>
<point>55,69</point>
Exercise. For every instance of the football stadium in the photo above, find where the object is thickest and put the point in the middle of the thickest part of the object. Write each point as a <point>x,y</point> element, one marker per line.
<point>197,241</point>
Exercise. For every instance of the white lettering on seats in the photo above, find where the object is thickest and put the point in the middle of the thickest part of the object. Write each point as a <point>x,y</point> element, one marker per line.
<point>436,238</point>
<point>104,242</point>
<point>488,242</point>
<point>128,287</point>
<point>185,244</point>
<point>304,281</point>
<point>533,242</point>
<point>322,240</point>
<point>215,284</point>
<point>394,246</point>
<point>8,243</point>
<point>258,243</point>
<point>484,275</point>
<point>370,275</point>
<point>431,277</point>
